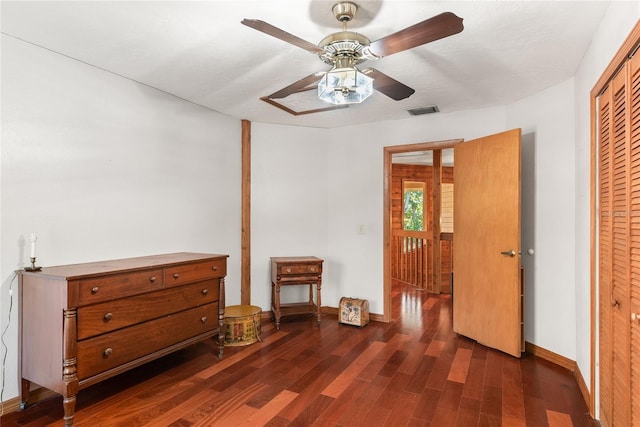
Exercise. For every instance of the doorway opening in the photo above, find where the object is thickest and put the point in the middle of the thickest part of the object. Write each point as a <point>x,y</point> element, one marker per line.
<point>422,219</point>
<point>414,235</point>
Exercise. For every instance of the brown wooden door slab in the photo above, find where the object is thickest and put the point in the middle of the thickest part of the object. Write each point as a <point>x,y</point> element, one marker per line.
<point>486,295</point>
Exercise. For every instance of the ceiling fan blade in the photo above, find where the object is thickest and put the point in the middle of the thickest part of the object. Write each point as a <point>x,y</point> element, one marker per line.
<point>276,32</point>
<point>387,85</point>
<point>440,26</point>
<point>298,86</point>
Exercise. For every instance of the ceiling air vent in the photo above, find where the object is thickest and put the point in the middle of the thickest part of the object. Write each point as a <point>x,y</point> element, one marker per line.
<point>423,110</point>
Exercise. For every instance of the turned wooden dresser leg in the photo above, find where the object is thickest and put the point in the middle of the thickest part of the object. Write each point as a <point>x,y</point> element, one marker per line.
<point>69,405</point>
<point>25,390</point>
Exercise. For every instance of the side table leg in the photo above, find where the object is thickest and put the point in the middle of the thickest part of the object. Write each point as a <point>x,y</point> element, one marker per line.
<point>319,298</point>
<point>276,304</point>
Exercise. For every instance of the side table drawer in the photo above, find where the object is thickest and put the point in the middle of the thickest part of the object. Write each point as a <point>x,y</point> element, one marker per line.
<point>109,316</point>
<point>118,286</point>
<point>300,270</point>
<point>110,350</point>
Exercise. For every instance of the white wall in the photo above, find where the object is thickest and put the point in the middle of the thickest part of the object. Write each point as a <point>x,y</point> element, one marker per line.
<point>288,205</point>
<point>101,167</point>
<point>614,29</point>
<point>547,122</point>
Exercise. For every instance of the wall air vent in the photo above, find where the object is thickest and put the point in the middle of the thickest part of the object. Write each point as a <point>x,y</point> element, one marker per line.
<point>423,110</point>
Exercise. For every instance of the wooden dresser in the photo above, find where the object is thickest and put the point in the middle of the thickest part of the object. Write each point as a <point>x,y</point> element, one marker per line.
<point>84,323</point>
<point>300,270</point>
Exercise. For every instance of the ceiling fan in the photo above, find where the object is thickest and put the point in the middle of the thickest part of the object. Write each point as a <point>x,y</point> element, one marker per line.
<point>346,84</point>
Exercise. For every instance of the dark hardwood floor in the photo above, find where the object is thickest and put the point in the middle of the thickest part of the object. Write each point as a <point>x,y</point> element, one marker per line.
<point>413,371</point>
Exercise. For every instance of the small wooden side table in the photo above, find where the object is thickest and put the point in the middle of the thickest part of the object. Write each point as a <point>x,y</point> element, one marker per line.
<point>303,270</point>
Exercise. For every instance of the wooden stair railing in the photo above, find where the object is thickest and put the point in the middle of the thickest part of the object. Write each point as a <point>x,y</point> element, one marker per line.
<point>412,258</point>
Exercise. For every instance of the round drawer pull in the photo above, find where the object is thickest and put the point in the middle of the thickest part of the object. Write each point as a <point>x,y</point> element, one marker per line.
<point>176,275</point>
<point>152,279</point>
<point>288,270</point>
<point>313,269</point>
<point>95,290</point>
<point>107,352</point>
<point>214,268</point>
<point>203,319</point>
<point>108,317</point>
<point>205,291</point>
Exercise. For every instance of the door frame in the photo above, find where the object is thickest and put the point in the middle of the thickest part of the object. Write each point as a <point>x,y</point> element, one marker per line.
<point>386,242</point>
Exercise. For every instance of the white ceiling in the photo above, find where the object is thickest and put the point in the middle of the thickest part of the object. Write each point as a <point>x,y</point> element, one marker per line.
<point>199,51</point>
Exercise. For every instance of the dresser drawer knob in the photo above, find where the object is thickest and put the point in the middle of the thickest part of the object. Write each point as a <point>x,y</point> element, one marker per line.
<point>205,291</point>
<point>288,270</point>
<point>214,268</point>
<point>203,319</point>
<point>108,317</point>
<point>94,290</point>
<point>107,352</point>
<point>176,275</point>
<point>152,279</point>
<point>313,269</point>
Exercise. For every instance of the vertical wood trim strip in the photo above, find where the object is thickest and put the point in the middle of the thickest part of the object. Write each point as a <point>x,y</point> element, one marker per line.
<point>437,206</point>
<point>592,208</point>
<point>386,215</point>
<point>245,268</point>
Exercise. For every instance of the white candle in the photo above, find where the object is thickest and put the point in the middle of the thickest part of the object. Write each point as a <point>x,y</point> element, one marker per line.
<point>33,245</point>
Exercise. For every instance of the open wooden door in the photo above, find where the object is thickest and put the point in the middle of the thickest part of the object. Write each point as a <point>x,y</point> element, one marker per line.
<point>487,304</point>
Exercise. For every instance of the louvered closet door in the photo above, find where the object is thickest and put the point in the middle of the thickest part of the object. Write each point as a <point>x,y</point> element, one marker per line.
<point>634,303</point>
<point>619,247</point>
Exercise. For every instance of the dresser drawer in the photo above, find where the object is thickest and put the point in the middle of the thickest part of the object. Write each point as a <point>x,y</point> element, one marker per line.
<point>108,316</point>
<point>193,272</point>
<point>300,269</point>
<point>110,350</point>
<point>118,286</point>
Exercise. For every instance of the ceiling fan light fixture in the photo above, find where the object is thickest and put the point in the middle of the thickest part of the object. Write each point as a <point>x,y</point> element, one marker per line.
<point>345,86</point>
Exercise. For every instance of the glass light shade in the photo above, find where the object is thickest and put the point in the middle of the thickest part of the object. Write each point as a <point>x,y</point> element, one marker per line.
<point>345,86</point>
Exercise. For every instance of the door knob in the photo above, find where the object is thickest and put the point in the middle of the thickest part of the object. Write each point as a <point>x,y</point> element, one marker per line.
<point>510,253</point>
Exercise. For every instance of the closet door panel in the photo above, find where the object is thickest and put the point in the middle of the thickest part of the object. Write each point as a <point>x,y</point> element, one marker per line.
<point>604,236</point>
<point>621,251</point>
<point>634,296</point>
